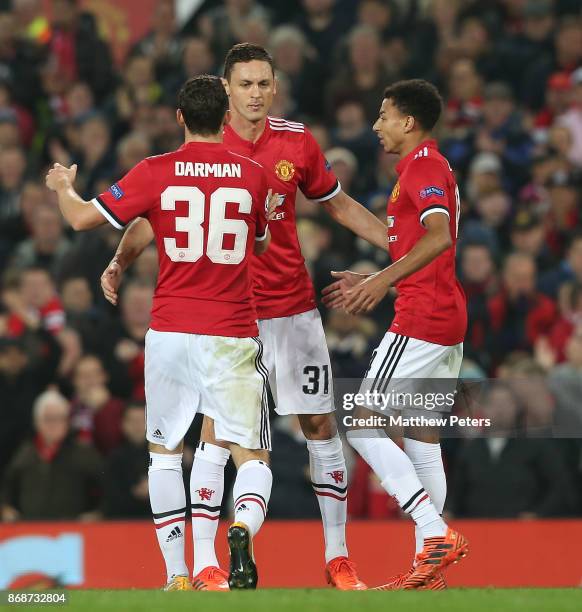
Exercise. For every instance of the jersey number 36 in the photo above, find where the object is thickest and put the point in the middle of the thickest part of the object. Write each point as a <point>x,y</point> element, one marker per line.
<point>218,224</point>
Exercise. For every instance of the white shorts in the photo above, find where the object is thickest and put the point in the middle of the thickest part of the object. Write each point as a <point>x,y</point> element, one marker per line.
<point>298,363</point>
<point>221,377</point>
<point>403,364</point>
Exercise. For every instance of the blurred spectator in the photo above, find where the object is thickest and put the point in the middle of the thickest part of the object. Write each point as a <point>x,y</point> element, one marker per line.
<point>565,381</point>
<point>163,43</point>
<point>197,58</point>
<point>570,304</point>
<point>138,89</point>
<point>531,43</point>
<point>290,462</point>
<point>557,98</point>
<point>353,132</point>
<point>27,366</point>
<point>572,119</point>
<point>19,62</point>
<point>568,270</point>
<point>364,78</point>
<point>52,476</point>
<point>95,413</point>
<point>566,57</point>
<point>132,149</point>
<point>528,235</point>
<point>33,297</point>
<point>224,25</point>
<point>518,313</point>
<point>128,335</point>
<point>12,175</point>
<point>95,160</point>
<point>126,493</point>
<point>323,24</point>
<point>506,477</point>
<point>293,57</point>
<point>465,100</point>
<point>78,50</point>
<point>47,245</point>
<point>477,273</point>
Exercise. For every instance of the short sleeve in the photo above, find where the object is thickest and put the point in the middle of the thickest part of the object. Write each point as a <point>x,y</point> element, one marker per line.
<point>131,197</point>
<point>261,209</point>
<point>319,182</point>
<point>427,186</point>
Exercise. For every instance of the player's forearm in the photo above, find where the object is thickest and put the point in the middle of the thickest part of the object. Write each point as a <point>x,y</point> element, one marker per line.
<point>351,214</point>
<point>135,239</point>
<point>428,248</point>
<point>74,208</point>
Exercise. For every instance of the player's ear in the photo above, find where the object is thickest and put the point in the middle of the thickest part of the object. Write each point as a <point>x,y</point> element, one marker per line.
<point>226,120</point>
<point>180,118</point>
<point>409,124</point>
<point>275,83</point>
<point>226,86</point>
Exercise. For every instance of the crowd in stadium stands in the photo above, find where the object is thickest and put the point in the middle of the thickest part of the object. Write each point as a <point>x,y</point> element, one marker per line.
<point>71,366</point>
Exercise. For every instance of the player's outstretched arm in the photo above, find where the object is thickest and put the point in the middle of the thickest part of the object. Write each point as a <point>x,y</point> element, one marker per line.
<point>80,214</point>
<point>358,219</point>
<point>368,294</point>
<point>135,239</point>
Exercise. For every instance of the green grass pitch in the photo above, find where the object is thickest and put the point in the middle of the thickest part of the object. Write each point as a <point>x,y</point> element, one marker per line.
<point>282,600</point>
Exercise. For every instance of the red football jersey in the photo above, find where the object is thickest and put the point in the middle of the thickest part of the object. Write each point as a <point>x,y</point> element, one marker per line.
<point>431,304</point>
<point>292,160</point>
<point>206,206</point>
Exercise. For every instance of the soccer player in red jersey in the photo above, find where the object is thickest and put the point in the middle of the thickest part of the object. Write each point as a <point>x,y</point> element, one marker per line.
<point>295,350</point>
<point>426,335</point>
<point>206,207</point>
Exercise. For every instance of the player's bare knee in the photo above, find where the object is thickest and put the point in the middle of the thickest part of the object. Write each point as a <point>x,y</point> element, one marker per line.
<point>318,426</point>
<point>158,448</point>
<point>242,455</point>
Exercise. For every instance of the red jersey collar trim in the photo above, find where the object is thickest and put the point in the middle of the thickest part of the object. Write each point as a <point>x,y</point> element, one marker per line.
<point>401,165</point>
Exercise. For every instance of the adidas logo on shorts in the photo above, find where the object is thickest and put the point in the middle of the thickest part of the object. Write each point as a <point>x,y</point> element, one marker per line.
<point>174,534</point>
<point>158,434</point>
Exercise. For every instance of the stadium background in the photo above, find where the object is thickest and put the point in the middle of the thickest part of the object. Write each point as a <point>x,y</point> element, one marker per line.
<point>94,83</point>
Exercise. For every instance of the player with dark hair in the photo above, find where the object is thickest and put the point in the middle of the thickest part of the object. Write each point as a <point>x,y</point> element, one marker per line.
<point>295,351</point>
<point>425,340</point>
<point>206,208</point>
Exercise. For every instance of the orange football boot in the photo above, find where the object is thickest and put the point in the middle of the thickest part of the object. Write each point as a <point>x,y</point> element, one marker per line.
<point>211,579</point>
<point>437,554</point>
<point>341,573</point>
<point>396,582</point>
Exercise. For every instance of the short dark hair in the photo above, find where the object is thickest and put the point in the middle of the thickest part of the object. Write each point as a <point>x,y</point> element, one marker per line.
<point>417,98</point>
<point>244,53</point>
<point>203,103</point>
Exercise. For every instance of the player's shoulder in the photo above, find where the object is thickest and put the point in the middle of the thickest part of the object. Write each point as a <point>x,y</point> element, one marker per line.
<point>284,128</point>
<point>429,157</point>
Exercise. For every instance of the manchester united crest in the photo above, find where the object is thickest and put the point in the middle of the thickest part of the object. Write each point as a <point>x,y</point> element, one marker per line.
<point>285,170</point>
<point>395,192</point>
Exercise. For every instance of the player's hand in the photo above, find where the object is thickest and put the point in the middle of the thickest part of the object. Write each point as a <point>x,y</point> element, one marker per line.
<point>273,200</point>
<point>60,177</point>
<point>334,295</point>
<point>110,281</point>
<point>365,296</point>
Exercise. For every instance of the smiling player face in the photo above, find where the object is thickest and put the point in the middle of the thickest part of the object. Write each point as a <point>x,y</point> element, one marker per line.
<point>391,127</point>
<point>251,88</point>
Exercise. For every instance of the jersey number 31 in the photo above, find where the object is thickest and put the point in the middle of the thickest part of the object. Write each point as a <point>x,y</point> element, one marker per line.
<point>218,224</point>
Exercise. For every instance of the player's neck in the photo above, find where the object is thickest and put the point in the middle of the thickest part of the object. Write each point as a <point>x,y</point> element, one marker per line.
<point>199,138</point>
<point>248,130</point>
<point>413,143</point>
